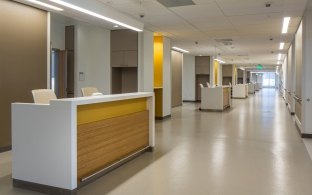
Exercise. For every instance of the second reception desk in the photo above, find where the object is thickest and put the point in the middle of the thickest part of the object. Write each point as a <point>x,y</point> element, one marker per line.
<point>216,98</point>
<point>61,145</point>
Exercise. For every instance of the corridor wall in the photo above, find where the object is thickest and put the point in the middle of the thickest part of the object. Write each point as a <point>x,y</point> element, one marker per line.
<point>188,77</point>
<point>23,59</point>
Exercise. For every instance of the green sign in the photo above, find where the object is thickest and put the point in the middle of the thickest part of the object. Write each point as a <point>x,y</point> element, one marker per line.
<point>259,67</point>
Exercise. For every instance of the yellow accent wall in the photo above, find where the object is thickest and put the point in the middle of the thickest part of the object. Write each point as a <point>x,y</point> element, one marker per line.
<point>158,61</point>
<point>96,112</point>
<point>216,67</point>
<point>235,74</point>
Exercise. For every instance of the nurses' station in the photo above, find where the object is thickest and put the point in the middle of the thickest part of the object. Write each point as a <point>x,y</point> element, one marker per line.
<point>215,98</point>
<point>69,142</point>
<point>251,88</point>
<point>240,91</point>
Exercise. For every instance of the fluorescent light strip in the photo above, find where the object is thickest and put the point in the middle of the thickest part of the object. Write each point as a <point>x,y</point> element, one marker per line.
<point>220,61</point>
<point>279,57</point>
<point>45,5</point>
<point>281,45</point>
<point>179,49</point>
<point>88,12</point>
<point>285,24</point>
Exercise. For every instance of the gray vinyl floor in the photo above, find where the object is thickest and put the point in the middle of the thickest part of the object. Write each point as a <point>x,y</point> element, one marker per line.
<point>252,149</point>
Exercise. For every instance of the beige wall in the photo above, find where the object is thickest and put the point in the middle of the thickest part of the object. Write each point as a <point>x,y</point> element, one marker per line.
<point>176,78</point>
<point>23,58</point>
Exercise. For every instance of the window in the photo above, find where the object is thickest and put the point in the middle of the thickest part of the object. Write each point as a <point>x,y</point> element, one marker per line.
<point>268,79</point>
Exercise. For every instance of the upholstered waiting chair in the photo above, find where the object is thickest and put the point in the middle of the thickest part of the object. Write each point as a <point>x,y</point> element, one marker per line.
<point>88,91</point>
<point>43,96</point>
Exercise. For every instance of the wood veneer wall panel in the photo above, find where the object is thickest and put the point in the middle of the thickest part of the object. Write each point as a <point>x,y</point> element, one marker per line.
<point>101,143</point>
<point>176,78</point>
<point>23,58</point>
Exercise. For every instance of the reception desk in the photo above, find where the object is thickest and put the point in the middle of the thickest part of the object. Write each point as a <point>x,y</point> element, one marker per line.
<point>216,98</point>
<point>251,88</point>
<point>240,91</point>
<point>58,147</point>
<point>257,86</point>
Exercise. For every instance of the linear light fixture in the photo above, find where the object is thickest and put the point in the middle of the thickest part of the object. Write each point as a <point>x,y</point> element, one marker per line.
<point>219,61</point>
<point>179,49</point>
<point>279,57</point>
<point>285,24</point>
<point>242,68</point>
<point>281,45</point>
<point>91,13</point>
<point>45,5</point>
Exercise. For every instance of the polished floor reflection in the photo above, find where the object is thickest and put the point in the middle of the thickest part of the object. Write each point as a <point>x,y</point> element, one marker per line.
<point>253,148</point>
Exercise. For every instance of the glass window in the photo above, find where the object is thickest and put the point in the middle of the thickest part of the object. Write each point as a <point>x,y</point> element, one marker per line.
<point>268,79</point>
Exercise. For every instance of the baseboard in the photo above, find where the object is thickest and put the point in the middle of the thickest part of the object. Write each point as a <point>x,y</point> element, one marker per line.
<point>190,100</point>
<point>5,149</point>
<point>306,135</point>
<point>163,117</point>
<point>42,188</point>
<point>239,97</point>
<point>298,124</point>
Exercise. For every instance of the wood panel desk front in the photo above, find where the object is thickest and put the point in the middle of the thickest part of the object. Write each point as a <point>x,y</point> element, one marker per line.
<point>60,146</point>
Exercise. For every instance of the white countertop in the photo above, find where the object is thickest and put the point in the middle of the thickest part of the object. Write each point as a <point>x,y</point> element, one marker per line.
<point>97,98</point>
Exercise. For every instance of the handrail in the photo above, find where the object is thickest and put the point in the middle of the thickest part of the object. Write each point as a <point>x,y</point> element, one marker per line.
<point>299,100</point>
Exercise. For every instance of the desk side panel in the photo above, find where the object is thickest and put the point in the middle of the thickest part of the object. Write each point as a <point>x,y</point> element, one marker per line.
<point>212,98</point>
<point>44,144</point>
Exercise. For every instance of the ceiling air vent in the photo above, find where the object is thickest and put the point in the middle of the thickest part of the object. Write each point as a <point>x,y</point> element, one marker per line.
<point>225,42</point>
<point>176,3</point>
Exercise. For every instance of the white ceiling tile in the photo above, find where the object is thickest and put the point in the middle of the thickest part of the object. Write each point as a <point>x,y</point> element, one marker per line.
<point>248,22</point>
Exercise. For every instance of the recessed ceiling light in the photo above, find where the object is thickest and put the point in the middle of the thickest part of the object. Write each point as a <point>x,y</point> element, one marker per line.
<point>45,5</point>
<point>218,60</point>
<point>279,57</point>
<point>91,13</point>
<point>285,24</point>
<point>281,45</point>
<point>179,49</point>
<point>116,26</point>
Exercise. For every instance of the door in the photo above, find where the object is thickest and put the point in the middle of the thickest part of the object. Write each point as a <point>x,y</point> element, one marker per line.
<point>62,73</point>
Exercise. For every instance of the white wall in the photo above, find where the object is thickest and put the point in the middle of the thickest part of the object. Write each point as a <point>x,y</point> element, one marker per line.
<point>307,71</point>
<point>146,61</point>
<point>284,77</point>
<point>189,77</point>
<point>167,77</point>
<point>92,58</point>
<point>57,34</point>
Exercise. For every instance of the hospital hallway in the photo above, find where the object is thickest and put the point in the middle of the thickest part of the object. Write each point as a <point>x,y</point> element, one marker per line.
<point>252,148</point>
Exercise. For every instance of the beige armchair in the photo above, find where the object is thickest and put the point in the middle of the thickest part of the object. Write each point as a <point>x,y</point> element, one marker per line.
<point>43,96</point>
<point>89,91</point>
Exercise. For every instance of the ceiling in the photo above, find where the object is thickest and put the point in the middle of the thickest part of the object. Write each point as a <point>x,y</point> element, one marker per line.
<point>202,26</point>
<point>249,23</point>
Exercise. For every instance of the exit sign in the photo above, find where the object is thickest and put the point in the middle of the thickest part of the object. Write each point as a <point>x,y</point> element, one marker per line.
<point>259,67</point>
